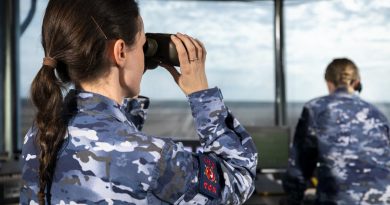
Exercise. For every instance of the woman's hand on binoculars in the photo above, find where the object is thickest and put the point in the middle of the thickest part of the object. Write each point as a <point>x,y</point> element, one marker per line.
<point>192,58</point>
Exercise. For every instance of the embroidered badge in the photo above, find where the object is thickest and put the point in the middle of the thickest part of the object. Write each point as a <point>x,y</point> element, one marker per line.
<point>208,177</point>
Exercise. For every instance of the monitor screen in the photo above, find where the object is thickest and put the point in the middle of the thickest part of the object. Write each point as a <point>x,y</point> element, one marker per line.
<point>272,144</point>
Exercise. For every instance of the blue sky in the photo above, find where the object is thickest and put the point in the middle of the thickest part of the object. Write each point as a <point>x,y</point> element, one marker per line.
<point>239,43</point>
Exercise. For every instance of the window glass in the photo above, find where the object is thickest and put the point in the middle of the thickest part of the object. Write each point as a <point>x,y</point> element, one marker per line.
<point>316,32</point>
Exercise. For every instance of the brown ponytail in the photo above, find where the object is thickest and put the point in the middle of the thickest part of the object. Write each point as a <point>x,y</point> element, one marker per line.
<point>46,93</point>
<point>74,35</point>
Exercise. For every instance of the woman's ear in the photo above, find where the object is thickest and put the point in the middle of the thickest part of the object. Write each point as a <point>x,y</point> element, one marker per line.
<point>119,52</point>
<point>357,85</point>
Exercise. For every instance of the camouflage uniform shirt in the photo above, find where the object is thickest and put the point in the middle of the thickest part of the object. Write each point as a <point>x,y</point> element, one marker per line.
<point>106,159</point>
<point>346,141</point>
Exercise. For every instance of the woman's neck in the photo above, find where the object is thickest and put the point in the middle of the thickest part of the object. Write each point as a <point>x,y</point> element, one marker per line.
<point>107,86</point>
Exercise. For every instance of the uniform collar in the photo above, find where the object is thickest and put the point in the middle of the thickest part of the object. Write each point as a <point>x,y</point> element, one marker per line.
<point>95,103</point>
<point>343,92</point>
<point>129,104</point>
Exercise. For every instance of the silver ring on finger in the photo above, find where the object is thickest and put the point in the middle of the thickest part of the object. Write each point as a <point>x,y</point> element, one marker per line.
<point>194,59</point>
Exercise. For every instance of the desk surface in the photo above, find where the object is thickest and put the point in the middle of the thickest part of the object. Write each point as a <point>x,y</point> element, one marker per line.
<point>259,199</point>
<point>264,200</point>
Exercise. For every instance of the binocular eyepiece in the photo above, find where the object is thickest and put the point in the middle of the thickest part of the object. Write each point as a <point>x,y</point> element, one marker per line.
<point>158,49</point>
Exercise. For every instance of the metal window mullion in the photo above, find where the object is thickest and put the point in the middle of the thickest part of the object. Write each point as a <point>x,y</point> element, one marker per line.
<point>11,74</point>
<point>280,94</point>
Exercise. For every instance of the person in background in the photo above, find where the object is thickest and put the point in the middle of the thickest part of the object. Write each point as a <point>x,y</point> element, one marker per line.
<point>88,148</point>
<point>345,141</point>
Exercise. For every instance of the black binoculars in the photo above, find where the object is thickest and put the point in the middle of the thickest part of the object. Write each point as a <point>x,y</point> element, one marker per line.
<point>159,49</point>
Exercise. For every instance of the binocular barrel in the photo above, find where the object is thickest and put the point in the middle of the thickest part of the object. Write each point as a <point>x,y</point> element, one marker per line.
<point>158,49</point>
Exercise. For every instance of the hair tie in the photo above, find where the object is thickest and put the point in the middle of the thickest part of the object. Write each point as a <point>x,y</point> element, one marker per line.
<point>49,61</point>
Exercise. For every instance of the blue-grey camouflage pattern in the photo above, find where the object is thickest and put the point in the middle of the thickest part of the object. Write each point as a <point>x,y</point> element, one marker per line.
<point>345,140</point>
<point>106,159</point>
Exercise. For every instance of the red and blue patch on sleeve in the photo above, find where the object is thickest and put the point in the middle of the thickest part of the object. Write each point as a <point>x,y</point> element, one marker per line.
<point>209,177</point>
